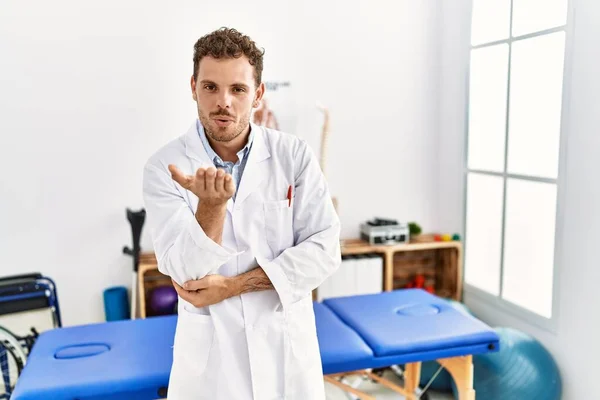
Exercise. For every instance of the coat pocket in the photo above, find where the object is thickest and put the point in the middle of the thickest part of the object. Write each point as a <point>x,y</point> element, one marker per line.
<point>193,342</point>
<point>278,225</point>
<point>304,346</point>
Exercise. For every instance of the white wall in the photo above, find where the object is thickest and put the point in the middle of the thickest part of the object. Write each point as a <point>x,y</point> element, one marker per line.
<point>88,90</point>
<point>574,344</point>
<point>376,66</point>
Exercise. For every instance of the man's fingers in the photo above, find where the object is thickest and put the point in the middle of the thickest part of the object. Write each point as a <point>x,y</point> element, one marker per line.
<point>197,284</point>
<point>211,173</point>
<point>200,173</point>
<point>181,291</point>
<point>219,182</point>
<point>176,286</point>
<point>229,186</point>
<point>191,296</point>
<point>209,184</point>
<point>178,176</point>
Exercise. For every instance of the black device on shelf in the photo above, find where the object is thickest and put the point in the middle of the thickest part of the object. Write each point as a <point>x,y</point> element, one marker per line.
<point>382,222</point>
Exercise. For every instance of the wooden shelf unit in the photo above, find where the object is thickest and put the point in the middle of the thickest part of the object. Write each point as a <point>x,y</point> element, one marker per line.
<point>149,277</point>
<point>440,262</point>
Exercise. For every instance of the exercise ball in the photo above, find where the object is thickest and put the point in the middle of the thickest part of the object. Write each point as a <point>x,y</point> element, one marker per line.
<point>163,300</point>
<point>522,370</point>
<point>441,383</point>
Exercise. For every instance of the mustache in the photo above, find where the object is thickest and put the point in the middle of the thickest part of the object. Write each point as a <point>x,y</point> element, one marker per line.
<point>221,113</point>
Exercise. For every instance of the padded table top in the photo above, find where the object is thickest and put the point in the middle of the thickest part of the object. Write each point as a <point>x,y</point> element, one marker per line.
<point>341,348</point>
<point>410,321</point>
<point>130,358</point>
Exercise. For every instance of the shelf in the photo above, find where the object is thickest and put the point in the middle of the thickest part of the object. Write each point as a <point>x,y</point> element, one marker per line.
<point>439,262</point>
<point>149,277</point>
<point>359,246</point>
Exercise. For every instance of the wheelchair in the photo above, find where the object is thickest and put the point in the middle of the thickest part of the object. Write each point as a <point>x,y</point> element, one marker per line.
<point>21,293</point>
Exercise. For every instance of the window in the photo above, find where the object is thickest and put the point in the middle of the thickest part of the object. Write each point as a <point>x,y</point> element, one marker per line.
<point>513,147</point>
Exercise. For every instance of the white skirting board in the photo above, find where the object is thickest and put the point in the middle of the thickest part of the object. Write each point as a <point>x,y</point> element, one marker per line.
<point>358,274</point>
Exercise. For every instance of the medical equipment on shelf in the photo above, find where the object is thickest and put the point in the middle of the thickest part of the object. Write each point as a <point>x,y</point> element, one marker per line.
<point>384,231</point>
<point>355,335</point>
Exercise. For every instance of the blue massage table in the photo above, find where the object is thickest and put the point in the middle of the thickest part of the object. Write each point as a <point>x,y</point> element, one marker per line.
<point>410,326</point>
<point>131,359</point>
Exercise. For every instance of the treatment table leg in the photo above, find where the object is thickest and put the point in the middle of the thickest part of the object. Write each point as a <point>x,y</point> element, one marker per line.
<point>461,369</point>
<point>412,376</point>
<point>348,388</point>
<point>409,395</point>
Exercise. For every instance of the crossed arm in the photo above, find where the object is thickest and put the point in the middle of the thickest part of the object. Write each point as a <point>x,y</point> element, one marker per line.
<point>189,246</point>
<point>213,289</point>
<point>210,215</point>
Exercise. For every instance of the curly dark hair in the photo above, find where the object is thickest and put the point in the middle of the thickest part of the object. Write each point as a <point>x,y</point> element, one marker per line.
<point>229,43</point>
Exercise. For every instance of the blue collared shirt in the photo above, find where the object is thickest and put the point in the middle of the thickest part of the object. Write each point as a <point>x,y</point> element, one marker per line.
<point>235,170</point>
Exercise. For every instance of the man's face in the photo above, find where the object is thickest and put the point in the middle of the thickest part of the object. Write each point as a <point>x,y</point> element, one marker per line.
<point>225,92</point>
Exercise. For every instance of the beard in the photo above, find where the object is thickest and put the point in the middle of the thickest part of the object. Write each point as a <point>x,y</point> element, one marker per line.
<point>223,133</point>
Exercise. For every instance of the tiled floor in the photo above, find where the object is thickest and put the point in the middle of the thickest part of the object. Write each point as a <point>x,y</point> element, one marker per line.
<point>378,391</point>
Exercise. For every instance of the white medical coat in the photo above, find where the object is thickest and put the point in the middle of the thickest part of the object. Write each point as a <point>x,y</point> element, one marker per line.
<point>260,345</point>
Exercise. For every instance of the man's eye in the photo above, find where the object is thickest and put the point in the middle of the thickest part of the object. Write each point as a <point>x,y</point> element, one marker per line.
<point>209,87</point>
<point>239,90</point>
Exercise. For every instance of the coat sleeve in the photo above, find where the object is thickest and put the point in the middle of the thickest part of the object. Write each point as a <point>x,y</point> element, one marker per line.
<point>182,249</point>
<point>316,253</point>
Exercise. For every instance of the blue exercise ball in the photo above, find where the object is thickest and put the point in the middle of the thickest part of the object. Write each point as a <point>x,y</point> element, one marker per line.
<point>442,382</point>
<point>163,300</point>
<point>521,370</point>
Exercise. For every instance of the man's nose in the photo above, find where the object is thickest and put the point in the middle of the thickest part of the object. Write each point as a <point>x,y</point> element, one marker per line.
<point>224,100</point>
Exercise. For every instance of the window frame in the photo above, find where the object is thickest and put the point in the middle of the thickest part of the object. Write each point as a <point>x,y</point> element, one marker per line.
<point>489,299</point>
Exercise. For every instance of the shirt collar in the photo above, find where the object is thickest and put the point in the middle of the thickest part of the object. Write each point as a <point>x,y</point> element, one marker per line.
<point>211,153</point>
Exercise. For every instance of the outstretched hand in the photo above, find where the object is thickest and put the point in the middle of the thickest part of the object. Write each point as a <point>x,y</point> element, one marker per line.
<point>212,186</point>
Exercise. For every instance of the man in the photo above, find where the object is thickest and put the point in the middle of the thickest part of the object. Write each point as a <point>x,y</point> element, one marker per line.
<point>242,221</point>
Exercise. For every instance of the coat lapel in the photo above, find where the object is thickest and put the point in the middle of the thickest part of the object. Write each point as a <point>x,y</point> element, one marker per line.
<point>256,169</point>
<point>194,148</point>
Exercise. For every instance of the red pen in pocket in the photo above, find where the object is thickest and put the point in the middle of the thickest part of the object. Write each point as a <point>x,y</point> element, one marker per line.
<point>289,196</point>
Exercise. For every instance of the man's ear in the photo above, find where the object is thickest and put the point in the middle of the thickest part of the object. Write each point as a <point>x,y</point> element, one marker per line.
<point>258,95</point>
<point>193,85</point>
